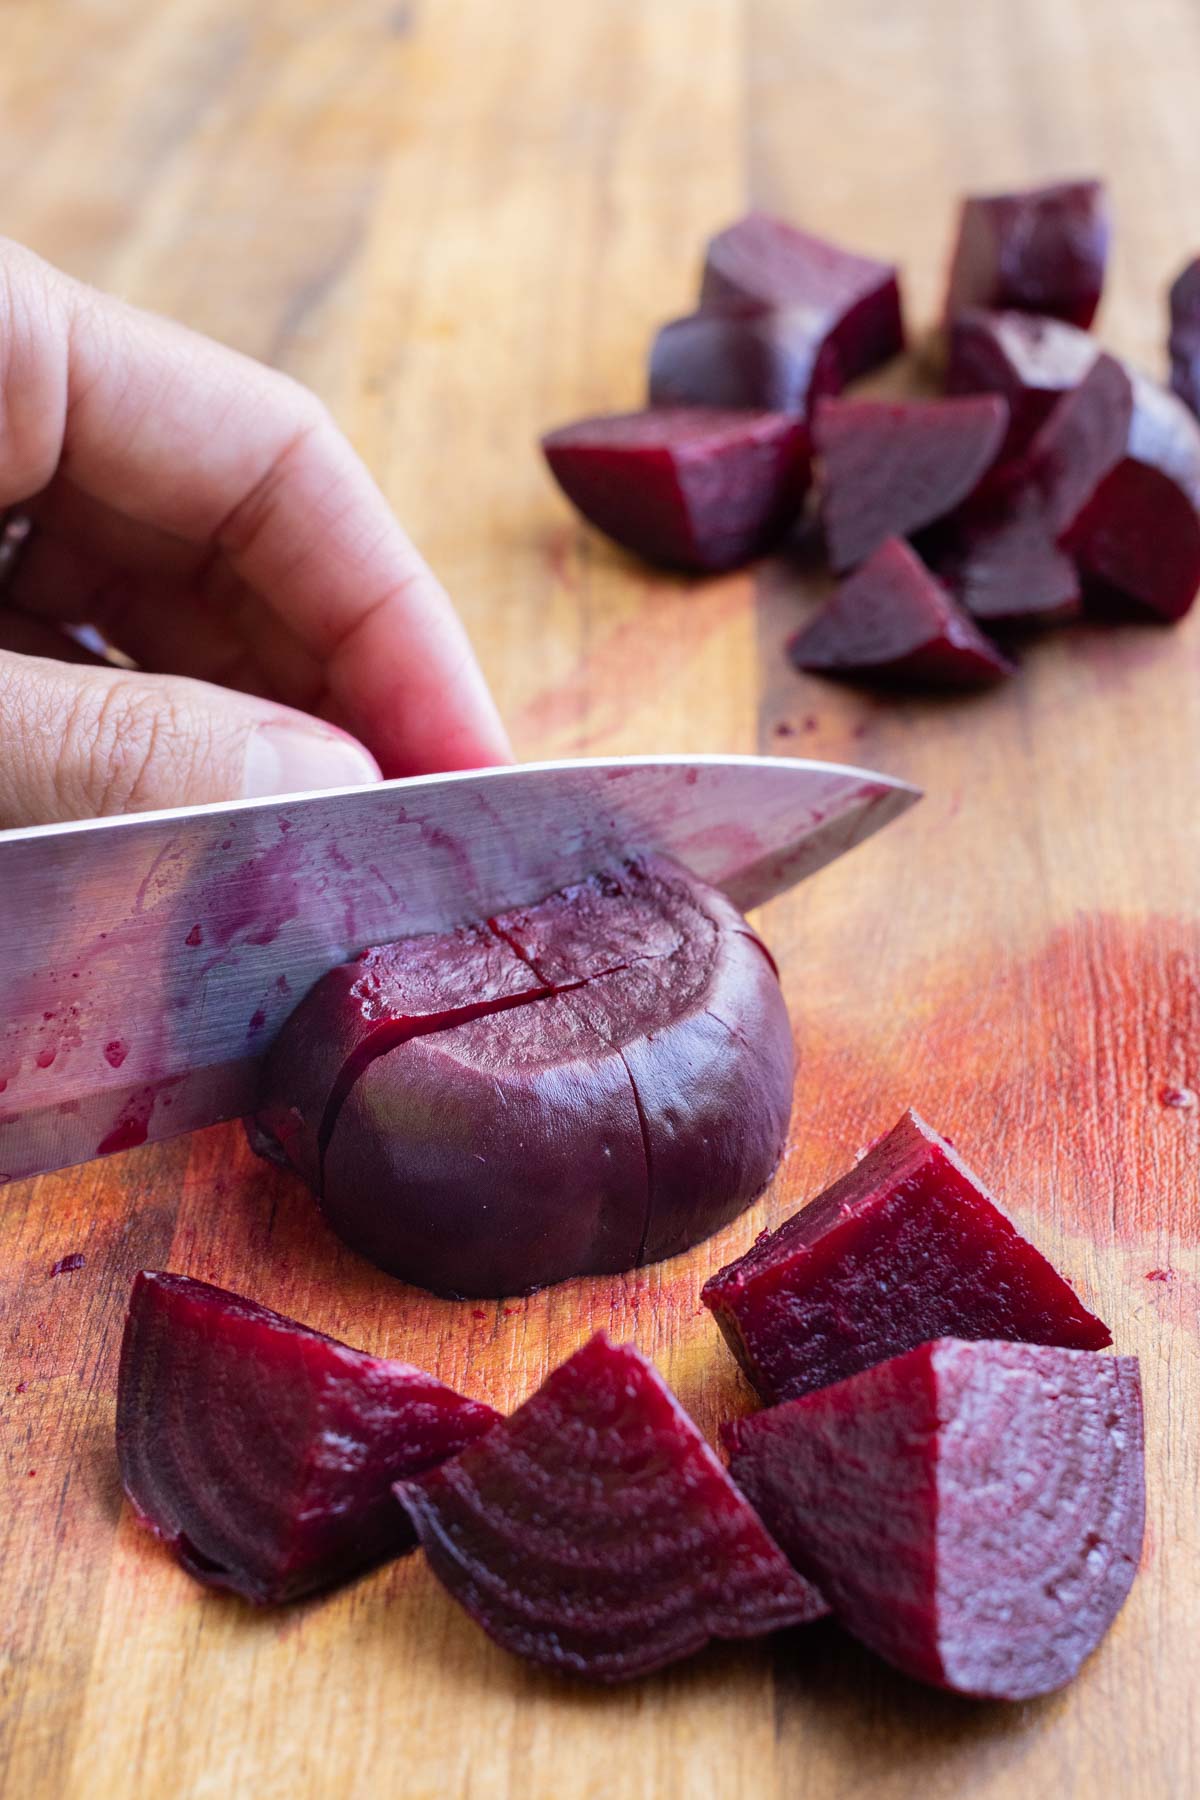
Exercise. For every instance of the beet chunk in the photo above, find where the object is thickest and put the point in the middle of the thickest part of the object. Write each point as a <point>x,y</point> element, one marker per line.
<point>1139,535</point>
<point>595,1532</point>
<point>784,317</point>
<point>892,620</point>
<point>744,357</point>
<point>692,487</point>
<point>999,559</point>
<point>764,261</point>
<point>1031,361</point>
<point>573,1088</point>
<point>262,1453</point>
<point>1043,250</point>
<point>889,468</point>
<point>1184,341</point>
<point>906,1246</point>
<point>973,1511</point>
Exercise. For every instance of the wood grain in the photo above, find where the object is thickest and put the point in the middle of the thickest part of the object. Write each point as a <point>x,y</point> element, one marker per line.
<point>459,221</point>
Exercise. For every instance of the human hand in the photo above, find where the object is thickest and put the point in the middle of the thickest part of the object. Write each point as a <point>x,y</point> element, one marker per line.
<point>207,517</point>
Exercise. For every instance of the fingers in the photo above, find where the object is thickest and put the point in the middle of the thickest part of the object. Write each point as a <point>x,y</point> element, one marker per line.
<point>77,741</point>
<point>197,442</point>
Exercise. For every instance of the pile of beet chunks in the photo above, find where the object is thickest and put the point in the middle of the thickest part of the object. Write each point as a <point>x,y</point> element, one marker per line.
<point>1050,481</point>
<point>943,1461</point>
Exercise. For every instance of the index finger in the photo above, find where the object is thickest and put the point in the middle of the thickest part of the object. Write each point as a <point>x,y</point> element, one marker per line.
<point>183,434</point>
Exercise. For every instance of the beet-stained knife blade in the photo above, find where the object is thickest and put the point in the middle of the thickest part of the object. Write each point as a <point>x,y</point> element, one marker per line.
<point>147,961</point>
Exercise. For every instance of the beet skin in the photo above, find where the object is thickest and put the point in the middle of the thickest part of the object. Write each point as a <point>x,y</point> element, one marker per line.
<point>262,1453</point>
<point>577,1087</point>
<point>893,621</point>
<point>972,1511</point>
<point>907,1246</point>
<point>595,1532</point>
<point>689,486</point>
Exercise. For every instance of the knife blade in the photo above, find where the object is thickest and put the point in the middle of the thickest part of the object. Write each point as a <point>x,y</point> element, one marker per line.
<point>146,961</point>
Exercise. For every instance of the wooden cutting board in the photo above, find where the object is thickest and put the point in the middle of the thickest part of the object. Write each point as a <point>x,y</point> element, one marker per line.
<point>460,220</point>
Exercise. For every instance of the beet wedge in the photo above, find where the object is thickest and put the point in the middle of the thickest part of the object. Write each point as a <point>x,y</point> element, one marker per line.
<point>853,300</point>
<point>1032,361</point>
<point>1042,250</point>
<point>784,317</point>
<point>595,1531</point>
<point>999,558</point>
<point>263,1453</point>
<point>690,487</point>
<point>889,468</point>
<point>907,1246</point>
<point>892,621</point>
<point>593,1082</point>
<point>972,1511</point>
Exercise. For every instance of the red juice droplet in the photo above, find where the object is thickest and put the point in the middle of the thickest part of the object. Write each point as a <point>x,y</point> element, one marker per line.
<point>1176,1096</point>
<point>195,936</point>
<point>66,1265</point>
<point>116,1052</point>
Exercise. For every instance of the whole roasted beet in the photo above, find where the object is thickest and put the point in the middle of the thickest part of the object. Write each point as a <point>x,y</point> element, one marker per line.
<point>1184,340</point>
<point>972,1511</point>
<point>887,468</point>
<point>595,1532</point>
<point>784,317</point>
<point>893,621</point>
<point>1042,250</point>
<point>907,1246</point>
<point>689,486</point>
<point>577,1087</point>
<point>262,1453</point>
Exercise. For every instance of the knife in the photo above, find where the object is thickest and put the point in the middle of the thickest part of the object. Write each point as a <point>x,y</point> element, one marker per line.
<point>147,961</point>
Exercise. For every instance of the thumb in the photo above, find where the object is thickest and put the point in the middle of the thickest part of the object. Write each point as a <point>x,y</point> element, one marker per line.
<point>77,741</point>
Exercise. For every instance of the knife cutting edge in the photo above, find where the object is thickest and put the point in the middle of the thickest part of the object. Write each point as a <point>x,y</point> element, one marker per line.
<point>146,961</point>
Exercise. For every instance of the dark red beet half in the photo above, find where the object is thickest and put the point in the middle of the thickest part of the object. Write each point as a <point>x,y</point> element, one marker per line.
<point>1043,250</point>
<point>764,261</point>
<point>692,487</point>
<point>1184,340</point>
<point>595,1531</point>
<point>999,558</point>
<point>575,1088</point>
<point>889,468</point>
<point>784,317</point>
<point>972,1511</point>
<point>907,1246</point>
<point>1031,361</point>
<point>263,1453</point>
<point>893,621</point>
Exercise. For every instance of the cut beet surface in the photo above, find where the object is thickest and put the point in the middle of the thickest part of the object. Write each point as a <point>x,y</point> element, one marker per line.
<point>262,1453</point>
<point>784,317</point>
<point>1043,250</point>
<point>889,468</point>
<point>893,621</point>
<point>999,558</point>
<point>577,1087</point>
<point>1184,340</point>
<point>972,1511</point>
<point>905,1247</point>
<point>693,487</point>
<point>595,1532</point>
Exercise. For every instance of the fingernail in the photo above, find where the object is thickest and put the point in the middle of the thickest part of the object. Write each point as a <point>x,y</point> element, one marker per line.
<point>290,759</point>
